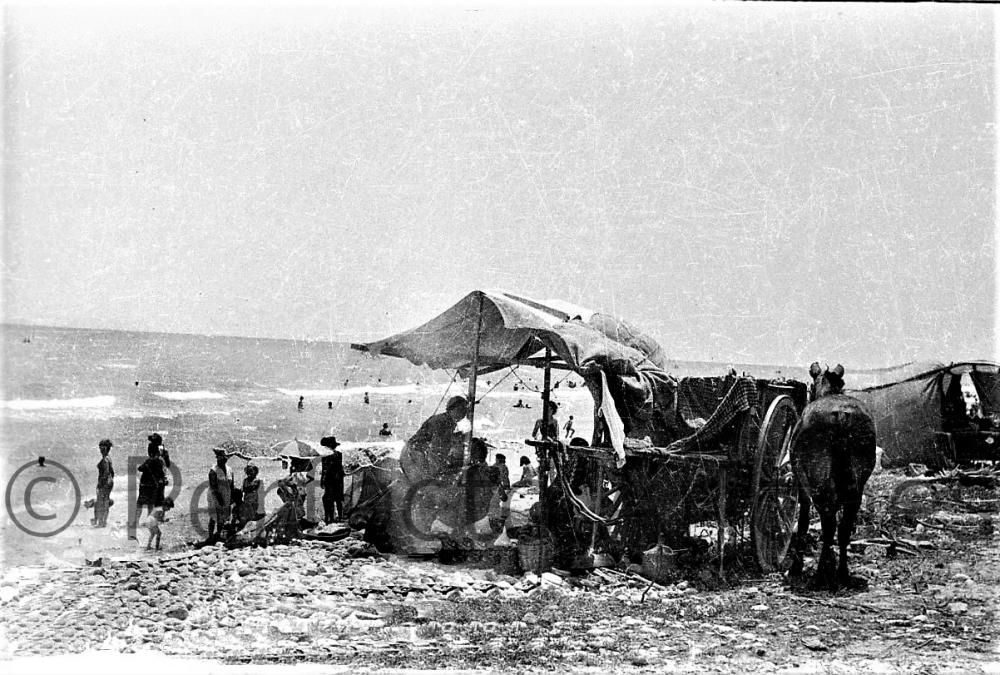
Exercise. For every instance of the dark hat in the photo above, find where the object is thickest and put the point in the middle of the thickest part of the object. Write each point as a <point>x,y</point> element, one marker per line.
<point>105,442</point>
<point>220,451</point>
<point>156,438</point>
<point>455,402</point>
<point>329,442</point>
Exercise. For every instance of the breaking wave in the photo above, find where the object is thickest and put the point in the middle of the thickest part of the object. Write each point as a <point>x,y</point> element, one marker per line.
<point>59,403</point>
<point>188,395</point>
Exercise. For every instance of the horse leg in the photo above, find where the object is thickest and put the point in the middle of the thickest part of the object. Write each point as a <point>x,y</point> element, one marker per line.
<point>801,535</point>
<point>844,533</point>
<point>826,568</point>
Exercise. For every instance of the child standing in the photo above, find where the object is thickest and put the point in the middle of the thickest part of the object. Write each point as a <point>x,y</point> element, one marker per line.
<point>105,484</point>
<point>250,509</point>
<point>158,516</point>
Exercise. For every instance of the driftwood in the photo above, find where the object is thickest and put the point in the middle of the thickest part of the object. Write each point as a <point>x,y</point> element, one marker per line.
<point>893,544</point>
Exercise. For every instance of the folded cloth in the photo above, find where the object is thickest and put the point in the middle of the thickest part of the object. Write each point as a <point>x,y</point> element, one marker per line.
<point>613,422</point>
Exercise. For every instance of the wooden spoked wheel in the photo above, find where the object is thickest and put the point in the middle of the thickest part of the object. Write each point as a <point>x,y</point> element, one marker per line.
<point>774,514</point>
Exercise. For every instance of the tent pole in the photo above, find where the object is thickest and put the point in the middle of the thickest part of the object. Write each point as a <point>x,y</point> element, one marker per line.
<point>543,455</point>
<point>472,382</point>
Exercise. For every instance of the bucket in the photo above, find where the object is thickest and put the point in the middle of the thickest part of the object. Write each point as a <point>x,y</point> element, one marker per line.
<point>659,564</point>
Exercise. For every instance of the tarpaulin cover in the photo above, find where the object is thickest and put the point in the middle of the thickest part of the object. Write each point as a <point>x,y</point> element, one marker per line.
<point>911,407</point>
<point>511,329</point>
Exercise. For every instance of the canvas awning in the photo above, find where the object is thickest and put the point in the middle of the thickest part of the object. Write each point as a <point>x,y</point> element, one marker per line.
<point>511,329</point>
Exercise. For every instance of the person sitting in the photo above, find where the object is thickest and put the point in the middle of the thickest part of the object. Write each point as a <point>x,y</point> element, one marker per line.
<point>529,476</point>
<point>286,523</point>
<point>480,483</point>
<point>385,430</point>
<point>429,452</point>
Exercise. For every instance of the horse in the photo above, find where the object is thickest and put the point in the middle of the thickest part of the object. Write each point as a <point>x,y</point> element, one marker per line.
<point>832,455</point>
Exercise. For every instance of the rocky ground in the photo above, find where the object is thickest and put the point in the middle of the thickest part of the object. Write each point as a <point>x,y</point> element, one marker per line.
<point>930,608</point>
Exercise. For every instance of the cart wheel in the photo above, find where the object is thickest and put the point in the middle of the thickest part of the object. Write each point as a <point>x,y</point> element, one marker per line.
<point>775,490</point>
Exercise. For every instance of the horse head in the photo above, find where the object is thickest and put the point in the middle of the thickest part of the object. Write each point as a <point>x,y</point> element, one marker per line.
<point>825,381</point>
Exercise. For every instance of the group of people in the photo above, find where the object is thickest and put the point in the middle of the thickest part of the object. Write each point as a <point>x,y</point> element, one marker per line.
<point>437,492</point>
<point>153,482</point>
<point>232,509</point>
<point>433,453</point>
<point>231,505</point>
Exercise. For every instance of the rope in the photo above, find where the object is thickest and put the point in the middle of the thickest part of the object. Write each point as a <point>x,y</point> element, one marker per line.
<point>445,394</point>
<point>499,382</point>
<point>581,508</point>
<point>525,384</point>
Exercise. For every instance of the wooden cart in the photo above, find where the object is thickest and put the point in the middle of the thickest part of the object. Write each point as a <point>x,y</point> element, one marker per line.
<point>734,471</point>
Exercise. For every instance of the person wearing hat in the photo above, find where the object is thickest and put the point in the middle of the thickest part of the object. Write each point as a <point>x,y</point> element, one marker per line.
<point>220,494</point>
<point>105,483</point>
<point>331,479</point>
<point>428,453</point>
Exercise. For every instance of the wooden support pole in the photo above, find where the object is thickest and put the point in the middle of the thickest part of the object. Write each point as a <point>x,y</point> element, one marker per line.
<point>472,382</point>
<point>543,452</point>
<point>723,525</point>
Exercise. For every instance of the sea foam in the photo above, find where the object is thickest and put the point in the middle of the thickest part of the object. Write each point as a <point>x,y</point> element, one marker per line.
<point>390,390</point>
<point>188,395</point>
<point>59,403</point>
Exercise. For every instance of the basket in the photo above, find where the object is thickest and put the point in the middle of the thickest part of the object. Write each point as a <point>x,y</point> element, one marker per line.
<point>535,555</point>
<point>504,560</point>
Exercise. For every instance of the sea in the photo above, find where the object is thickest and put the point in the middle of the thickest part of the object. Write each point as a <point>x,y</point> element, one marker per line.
<point>65,389</point>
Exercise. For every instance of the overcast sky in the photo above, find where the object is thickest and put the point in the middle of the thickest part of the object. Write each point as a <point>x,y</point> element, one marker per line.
<point>763,183</point>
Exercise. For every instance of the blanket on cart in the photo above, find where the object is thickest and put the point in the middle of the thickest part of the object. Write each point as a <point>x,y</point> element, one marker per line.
<point>741,397</point>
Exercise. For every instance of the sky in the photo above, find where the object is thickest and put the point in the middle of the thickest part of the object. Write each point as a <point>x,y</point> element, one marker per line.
<point>755,183</point>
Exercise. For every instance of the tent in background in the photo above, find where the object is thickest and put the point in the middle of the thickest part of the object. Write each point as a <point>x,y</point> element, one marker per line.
<point>921,414</point>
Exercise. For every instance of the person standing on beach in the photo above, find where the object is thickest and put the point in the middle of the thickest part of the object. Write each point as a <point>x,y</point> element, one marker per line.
<point>331,479</point>
<point>500,504</point>
<point>302,403</point>
<point>156,518</point>
<point>105,483</point>
<point>251,508</point>
<point>569,427</point>
<point>156,442</point>
<point>220,494</point>
<point>552,430</point>
<point>151,481</point>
